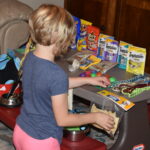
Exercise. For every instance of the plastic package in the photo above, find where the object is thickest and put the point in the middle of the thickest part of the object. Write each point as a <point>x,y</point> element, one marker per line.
<point>109,108</point>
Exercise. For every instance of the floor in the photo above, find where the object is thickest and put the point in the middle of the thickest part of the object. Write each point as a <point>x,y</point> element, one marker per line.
<point>5,138</point>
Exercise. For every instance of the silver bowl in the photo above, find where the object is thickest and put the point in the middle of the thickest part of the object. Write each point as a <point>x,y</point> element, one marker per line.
<point>74,135</point>
<point>12,101</point>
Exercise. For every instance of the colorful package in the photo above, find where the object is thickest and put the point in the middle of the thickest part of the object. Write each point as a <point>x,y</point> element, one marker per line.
<point>79,56</point>
<point>119,100</point>
<point>89,61</point>
<point>111,50</point>
<point>83,29</point>
<point>123,54</point>
<point>81,43</point>
<point>136,60</point>
<point>92,38</point>
<point>102,44</point>
<point>78,26</point>
<point>112,132</point>
<point>103,66</point>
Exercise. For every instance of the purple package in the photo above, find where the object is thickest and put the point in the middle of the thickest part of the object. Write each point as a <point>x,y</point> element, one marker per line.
<point>111,50</point>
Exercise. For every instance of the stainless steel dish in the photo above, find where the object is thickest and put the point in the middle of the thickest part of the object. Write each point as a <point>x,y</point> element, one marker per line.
<point>11,101</point>
<point>75,136</point>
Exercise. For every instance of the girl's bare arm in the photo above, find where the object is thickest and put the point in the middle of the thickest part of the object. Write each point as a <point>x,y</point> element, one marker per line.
<point>79,81</point>
<point>63,118</point>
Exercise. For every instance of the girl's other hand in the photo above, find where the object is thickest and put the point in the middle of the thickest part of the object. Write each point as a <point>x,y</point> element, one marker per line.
<point>99,81</point>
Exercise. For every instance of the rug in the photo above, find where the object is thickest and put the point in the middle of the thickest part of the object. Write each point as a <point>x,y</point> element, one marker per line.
<point>5,138</point>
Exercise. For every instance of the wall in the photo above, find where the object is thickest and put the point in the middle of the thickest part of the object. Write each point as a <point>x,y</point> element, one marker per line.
<point>35,3</point>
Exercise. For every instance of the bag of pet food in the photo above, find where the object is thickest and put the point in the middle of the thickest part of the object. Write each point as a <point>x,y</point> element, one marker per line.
<point>92,38</point>
<point>83,29</point>
<point>102,44</point>
<point>123,54</point>
<point>81,43</point>
<point>78,26</point>
<point>136,60</point>
<point>111,50</point>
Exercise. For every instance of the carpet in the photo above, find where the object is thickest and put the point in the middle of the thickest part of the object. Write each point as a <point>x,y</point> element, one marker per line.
<point>5,138</point>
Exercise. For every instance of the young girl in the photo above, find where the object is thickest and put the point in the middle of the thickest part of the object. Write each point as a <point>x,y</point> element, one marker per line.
<point>44,112</point>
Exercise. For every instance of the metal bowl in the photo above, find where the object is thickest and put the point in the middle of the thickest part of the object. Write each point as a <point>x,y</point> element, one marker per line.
<point>12,101</point>
<point>74,135</point>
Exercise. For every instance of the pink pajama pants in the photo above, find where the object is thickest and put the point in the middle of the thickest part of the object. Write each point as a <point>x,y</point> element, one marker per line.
<point>23,141</point>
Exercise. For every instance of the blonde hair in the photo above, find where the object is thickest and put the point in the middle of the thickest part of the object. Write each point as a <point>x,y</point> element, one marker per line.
<point>50,24</point>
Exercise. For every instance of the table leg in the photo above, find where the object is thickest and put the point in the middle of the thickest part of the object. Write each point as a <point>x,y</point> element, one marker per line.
<point>134,128</point>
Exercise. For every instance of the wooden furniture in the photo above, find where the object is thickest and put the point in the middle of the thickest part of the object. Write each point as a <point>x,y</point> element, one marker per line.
<point>126,20</point>
<point>95,11</point>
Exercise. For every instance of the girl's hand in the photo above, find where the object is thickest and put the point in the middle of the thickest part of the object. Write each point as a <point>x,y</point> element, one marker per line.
<point>105,121</point>
<point>99,81</point>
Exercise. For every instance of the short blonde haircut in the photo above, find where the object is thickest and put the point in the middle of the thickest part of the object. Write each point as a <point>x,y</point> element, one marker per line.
<point>50,24</point>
